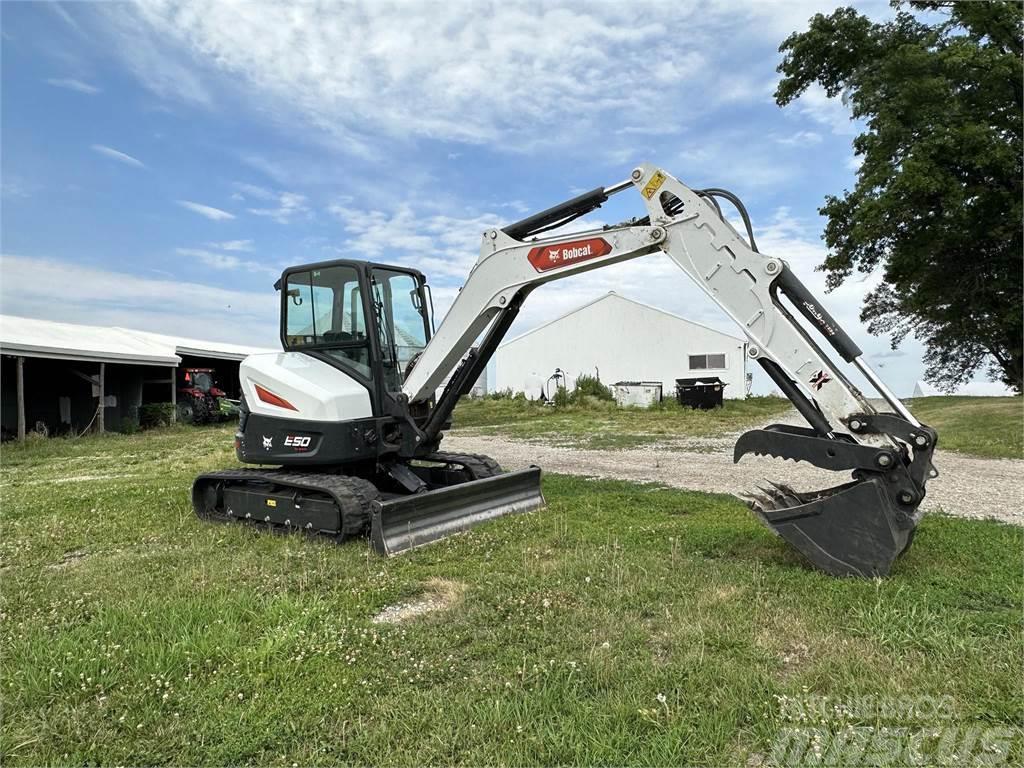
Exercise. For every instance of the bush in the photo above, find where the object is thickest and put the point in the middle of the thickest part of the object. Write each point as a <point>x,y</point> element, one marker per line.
<point>128,426</point>
<point>155,415</point>
<point>590,386</point>
<point>500,394</point>
<point>562,397</point>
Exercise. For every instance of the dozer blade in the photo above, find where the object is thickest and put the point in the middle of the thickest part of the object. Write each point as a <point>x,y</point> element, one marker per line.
<point>849,530</point>
<point>412,521</point>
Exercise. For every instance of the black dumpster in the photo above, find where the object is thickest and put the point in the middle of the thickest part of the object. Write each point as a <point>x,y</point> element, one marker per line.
<point>704,393</point>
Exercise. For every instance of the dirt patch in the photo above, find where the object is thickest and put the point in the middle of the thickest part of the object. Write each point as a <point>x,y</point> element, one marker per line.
<point>70,559</point>
<point>438,595</point>
<point>794,655</point>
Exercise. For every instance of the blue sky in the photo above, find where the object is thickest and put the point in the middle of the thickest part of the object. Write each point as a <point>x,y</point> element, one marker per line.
<point>161,163</point>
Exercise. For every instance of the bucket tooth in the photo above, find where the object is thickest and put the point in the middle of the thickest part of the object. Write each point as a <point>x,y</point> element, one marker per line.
<point>411,521</point>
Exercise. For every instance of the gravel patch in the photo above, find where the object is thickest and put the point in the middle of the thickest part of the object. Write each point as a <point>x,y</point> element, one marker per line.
<point>440,594</point>
<point>966,486</point>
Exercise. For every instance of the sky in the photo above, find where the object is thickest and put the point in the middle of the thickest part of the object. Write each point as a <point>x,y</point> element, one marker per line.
<point>162,163</point>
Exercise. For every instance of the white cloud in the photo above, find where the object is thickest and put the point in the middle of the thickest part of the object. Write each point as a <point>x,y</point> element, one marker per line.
<point>832,113</point>
<point>284,205</point>
<point>66,17</point>
<point>214,214</point>
<point>217,260</point>
<point>232,245</point>
<point>210,258</point>
<point>121,157</point>
<point>800,139</point>
<point>440,245</point>
<point>712,162</point>
<point>145,51</point>
<point>72,84</point>
<point>517,74</point>
<point>14,186</point>
<point>31,287</point>
<point>289,205</point>
<point>252,190</point>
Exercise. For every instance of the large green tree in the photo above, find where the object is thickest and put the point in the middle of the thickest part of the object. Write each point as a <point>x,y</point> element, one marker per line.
<point>937,203</point>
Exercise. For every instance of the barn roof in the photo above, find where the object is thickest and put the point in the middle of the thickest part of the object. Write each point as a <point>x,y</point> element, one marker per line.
<point>70,341</point>
<point>613,294</point>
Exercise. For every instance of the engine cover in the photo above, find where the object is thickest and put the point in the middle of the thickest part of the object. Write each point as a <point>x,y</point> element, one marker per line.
<point>293,385</point>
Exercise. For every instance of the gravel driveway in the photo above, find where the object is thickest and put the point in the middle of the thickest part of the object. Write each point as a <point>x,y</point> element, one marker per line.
<point>966,486</point>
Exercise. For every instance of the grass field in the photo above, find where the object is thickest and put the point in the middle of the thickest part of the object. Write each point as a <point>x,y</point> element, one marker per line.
<point>599,424</point>
<point>992,427</point>
<point>623,624</point>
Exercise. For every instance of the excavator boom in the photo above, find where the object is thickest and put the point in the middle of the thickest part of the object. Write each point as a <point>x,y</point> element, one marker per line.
<point>856,528</point>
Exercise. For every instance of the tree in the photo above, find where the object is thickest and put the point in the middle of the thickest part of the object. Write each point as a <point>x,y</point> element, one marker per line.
<point>937,203</point>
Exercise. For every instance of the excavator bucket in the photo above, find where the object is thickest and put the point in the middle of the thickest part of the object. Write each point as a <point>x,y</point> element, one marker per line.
<point>861,527</point>
<point>411,521</point>
<point>849,530</point>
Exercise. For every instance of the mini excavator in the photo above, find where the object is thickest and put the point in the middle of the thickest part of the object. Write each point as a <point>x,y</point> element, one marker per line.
<point>348,419</point>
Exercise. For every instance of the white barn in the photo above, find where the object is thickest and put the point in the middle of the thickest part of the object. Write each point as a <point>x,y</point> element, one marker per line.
<point>620,339</point>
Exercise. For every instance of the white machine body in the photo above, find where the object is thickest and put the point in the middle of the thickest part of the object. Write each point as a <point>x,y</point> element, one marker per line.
<point>315,390</point>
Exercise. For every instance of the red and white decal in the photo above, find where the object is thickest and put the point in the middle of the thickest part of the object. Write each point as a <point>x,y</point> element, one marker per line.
<point>545,257</point>
<point>819,380</point>
<point>271,399</point>
<point>298,442</point>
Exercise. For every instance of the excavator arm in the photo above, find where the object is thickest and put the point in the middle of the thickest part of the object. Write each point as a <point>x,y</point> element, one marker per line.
<point>858,528</point>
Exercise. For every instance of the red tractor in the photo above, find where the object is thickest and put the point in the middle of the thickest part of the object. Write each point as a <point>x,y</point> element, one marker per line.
<point>199,399</point>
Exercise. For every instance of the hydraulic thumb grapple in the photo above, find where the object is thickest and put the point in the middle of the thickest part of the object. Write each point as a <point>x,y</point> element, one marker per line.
<point>351,413</point>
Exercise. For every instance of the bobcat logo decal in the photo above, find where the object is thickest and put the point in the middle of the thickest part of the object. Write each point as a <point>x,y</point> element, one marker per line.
<point>819,380</point>
<point>268,443</point>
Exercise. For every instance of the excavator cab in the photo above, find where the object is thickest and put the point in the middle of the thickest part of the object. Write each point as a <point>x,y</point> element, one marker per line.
<point>369,319</point>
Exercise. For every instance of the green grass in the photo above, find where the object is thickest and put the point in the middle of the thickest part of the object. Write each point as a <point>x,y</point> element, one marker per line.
<point>992,427</point>
<point>603,425</point>
<point>623,624</point>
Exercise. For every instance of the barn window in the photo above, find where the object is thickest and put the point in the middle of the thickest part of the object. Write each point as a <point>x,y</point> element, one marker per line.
<point>707,362</point>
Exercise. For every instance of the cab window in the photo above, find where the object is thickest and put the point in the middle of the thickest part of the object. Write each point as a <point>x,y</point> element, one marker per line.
<point>401,321</point>
<point>324,310</point>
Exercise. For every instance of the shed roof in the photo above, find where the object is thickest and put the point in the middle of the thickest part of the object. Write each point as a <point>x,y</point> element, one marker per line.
<point>613,294</point>
<point>200,348</point>
<point>71,341</point>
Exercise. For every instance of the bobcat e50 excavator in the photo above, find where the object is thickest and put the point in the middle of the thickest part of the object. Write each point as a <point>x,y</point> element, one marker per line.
<point>348,412</point>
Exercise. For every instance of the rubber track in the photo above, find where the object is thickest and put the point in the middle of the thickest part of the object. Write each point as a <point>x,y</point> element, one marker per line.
<point>353,495</point>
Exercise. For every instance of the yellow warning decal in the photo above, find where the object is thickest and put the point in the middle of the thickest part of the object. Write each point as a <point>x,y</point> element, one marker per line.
<point>653,185</point>
<point>271,502</point>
